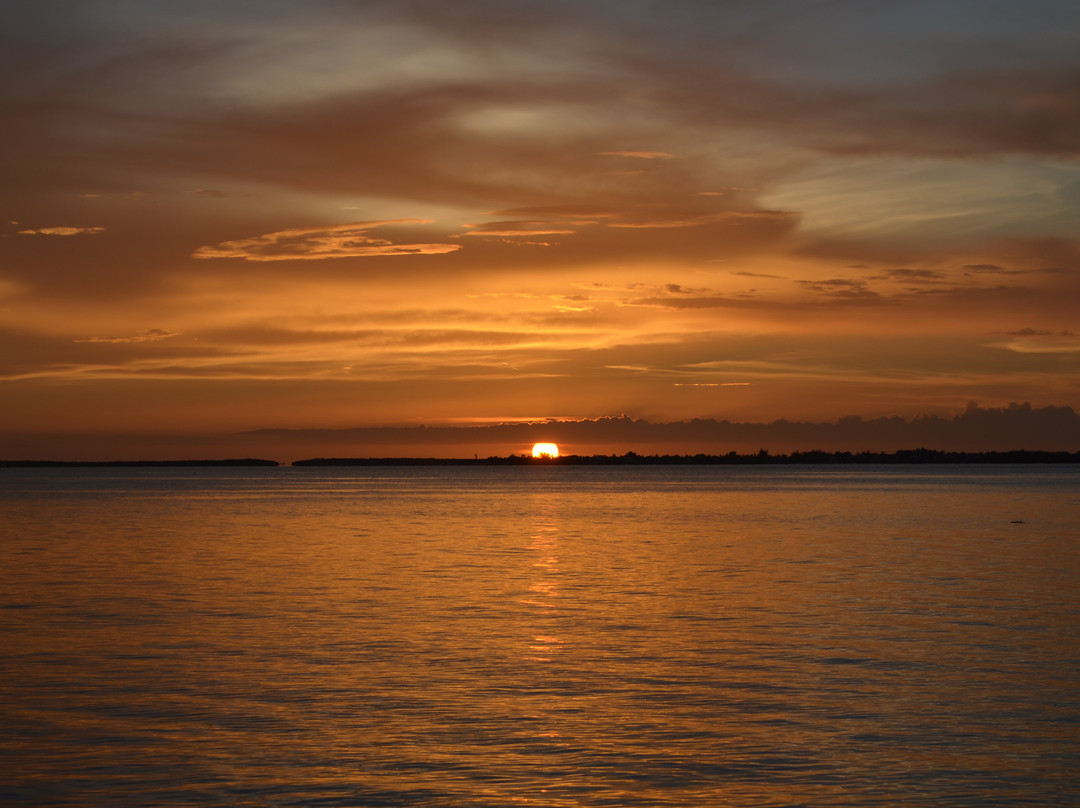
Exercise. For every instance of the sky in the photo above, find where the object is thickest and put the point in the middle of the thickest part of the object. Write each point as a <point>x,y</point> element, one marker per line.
<point>227,217</point>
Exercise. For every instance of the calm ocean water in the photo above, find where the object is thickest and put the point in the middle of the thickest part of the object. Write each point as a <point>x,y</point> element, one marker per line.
<point>552,636</point>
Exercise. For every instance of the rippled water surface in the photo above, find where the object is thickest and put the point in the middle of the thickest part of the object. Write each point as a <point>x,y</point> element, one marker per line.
<point>549,636</point>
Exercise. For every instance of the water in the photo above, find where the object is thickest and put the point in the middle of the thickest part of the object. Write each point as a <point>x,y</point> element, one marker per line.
<point>554,636</point>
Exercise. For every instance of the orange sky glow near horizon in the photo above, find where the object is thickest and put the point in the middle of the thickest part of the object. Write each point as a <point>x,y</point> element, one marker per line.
<point>223,218</point>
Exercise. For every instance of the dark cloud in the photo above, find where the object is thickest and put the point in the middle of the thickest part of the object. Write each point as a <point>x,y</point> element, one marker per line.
<point>923,275</point>
<point>843,289</point>
<point>993,269</point>
<point>758,275</point>
<point>1030,332</point>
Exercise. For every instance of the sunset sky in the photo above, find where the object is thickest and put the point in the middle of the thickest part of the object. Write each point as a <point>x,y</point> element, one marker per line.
<point>232,216</point>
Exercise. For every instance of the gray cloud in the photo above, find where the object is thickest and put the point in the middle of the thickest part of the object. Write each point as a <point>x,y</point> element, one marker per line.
<point>920,275</point>
<point>842,289</point>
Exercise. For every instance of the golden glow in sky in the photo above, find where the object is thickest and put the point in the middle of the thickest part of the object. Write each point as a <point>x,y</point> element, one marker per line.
<point>353,215</point>
<point>545,450</point>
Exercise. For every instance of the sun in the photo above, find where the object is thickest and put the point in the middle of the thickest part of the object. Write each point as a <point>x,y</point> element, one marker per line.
<point>545,450</point>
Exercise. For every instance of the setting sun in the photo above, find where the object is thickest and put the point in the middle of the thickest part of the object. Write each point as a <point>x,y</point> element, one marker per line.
<point>545,450</point>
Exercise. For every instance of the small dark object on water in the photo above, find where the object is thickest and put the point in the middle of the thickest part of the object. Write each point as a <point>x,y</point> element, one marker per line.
<point>1017,522</point>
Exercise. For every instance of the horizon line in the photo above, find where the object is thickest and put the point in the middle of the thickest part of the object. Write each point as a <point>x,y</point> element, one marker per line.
<point>762,457</point>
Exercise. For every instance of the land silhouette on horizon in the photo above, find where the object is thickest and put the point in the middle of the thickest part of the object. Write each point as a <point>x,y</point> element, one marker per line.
<point>762,457</point>
<point>228,463</point>
<point>976,429</point>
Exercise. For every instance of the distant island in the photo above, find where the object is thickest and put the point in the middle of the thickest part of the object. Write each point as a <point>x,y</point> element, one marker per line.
<point>48,464</point>
<point>761,458</point>
<point>904,456</point>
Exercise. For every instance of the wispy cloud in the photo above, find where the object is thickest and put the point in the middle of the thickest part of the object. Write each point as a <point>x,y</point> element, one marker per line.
<point>676,218</point>
<point>842,288</point>
<point>317,243</point>
<point>632,214</point>
<point>1040,341</point>
<point>62,231</point>
<point>914,275</point>
<point>513,229</point>
<point>152,335</point>
<point>696,302</point>
<point>712,384</point>
<point>642,155</point>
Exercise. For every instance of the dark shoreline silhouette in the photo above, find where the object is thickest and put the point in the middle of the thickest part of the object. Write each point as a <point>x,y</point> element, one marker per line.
<point>40,464</point>
<point>904,457</point>
<point>762,458</point>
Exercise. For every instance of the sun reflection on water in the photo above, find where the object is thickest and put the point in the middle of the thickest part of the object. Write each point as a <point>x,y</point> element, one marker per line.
<point>544,591</point>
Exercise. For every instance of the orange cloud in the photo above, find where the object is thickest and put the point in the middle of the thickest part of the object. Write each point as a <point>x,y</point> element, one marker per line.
<point>316,243</point>
<point>643,155</point>
<point>62,231</point>
<point>1037,341</point>
<point>516,228</point>
<point>698,219</point>
<point>153,335</point>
